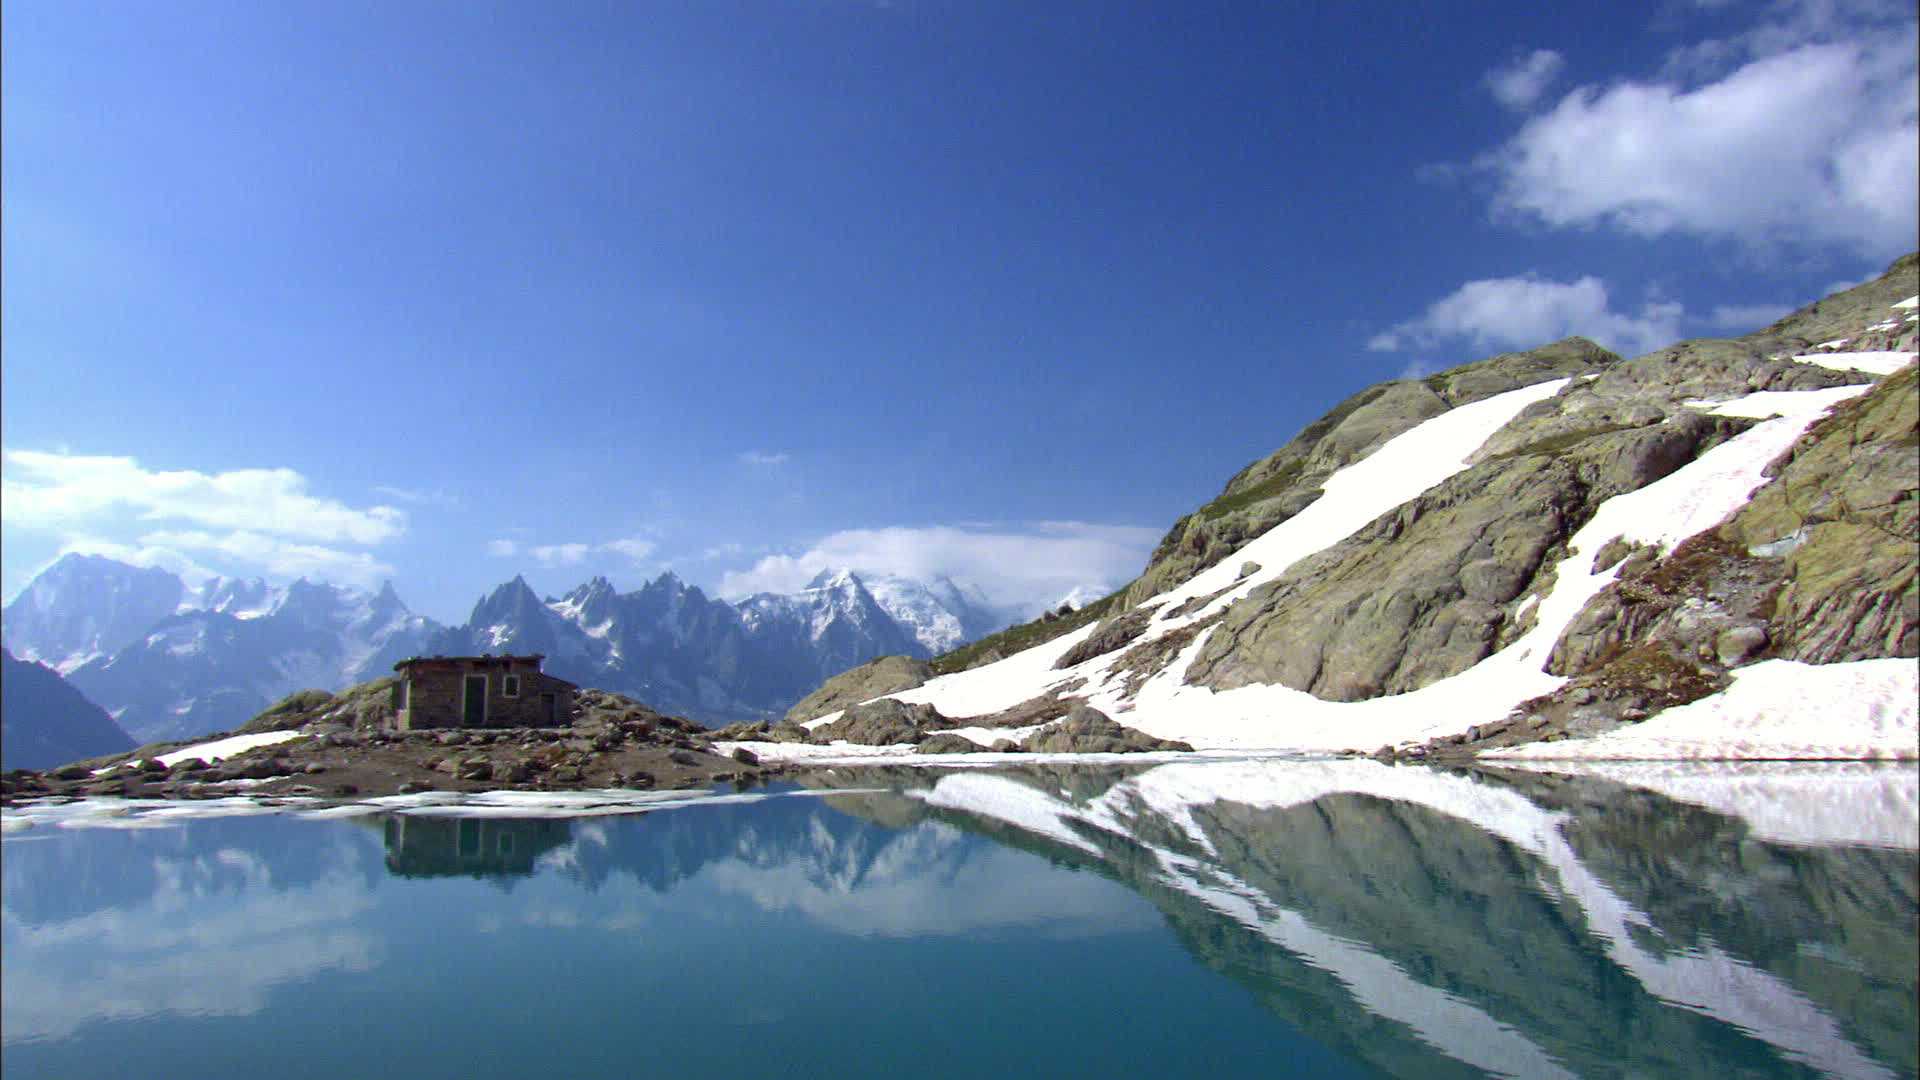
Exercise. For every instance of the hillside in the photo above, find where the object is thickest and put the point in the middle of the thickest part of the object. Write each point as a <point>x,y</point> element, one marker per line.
<point>1541,547</point>
<point>44,721</point>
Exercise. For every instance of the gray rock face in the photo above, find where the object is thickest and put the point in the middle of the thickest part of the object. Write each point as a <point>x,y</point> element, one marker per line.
<point>1087,730</point>
<point>887,675</point>
<point>1434,587</point>
<point>1115,634</point>
<point>1844,499</point>
<point>1819,567</point>
<point>1277,487</point>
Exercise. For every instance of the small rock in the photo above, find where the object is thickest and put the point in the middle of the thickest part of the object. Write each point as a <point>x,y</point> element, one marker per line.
<point>947,743</point>
<point>1739,644</point>
<point>411,787</point>
<point>745,756</point>
<point>312,768</point>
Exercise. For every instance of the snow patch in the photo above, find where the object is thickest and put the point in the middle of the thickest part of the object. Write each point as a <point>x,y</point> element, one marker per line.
<point>1776,709</point>
<point>1873,363</point>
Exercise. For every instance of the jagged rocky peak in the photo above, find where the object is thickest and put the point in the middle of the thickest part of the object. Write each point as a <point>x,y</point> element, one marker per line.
<point>512,600</point>
<point>841,578</point>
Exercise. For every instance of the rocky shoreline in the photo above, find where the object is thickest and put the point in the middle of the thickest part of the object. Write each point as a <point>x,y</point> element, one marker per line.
<point>614,743</point>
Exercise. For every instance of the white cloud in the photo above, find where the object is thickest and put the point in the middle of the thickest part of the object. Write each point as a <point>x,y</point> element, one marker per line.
<point>443,499</point>
<point>572,553</point>
<point>56,490</point>
<point>277,556</point>
<point>634,548</point>
<point>762,457</point>
<point>1520,84</point>
<point>1802,132</point>
<point>560,554</point>
<point>1011,567</point>
<point>135,555</point>
<point>1523,312</point>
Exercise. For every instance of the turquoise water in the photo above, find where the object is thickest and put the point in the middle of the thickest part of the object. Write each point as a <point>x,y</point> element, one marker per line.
<point>1224,919</point>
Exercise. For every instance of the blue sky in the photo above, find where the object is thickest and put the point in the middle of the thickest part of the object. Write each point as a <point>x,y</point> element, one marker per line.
<point>443,293</point>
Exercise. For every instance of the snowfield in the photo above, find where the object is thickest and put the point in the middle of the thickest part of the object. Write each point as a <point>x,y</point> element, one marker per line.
<point>1773,710</point>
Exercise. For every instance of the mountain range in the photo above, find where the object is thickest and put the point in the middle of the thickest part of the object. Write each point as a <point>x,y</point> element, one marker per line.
<point>171,661</point>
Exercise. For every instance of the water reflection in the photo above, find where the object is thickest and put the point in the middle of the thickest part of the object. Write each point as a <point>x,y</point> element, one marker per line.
<point>425,846</point>
<point>1675,921</point>
<point>1520,924</point>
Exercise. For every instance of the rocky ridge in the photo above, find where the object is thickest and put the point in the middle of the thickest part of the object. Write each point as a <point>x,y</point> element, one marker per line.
<point>1817,566</point>
<point>346,747</point>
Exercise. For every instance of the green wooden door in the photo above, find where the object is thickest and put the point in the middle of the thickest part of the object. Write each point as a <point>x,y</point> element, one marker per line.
<point>473,707</point>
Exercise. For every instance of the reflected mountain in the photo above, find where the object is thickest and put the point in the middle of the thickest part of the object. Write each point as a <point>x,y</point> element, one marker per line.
<point>1513,924</point>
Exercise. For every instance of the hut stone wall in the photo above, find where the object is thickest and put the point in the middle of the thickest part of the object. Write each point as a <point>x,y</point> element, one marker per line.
<point>433,692</point>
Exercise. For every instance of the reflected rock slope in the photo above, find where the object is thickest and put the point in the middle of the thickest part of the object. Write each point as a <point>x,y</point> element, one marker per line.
<point>1509,924</point>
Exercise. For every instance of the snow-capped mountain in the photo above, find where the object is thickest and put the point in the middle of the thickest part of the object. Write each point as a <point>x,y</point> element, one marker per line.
<point>172,661</point>
<point>198,670</point>
<point>670,644</point>
<point>242,598</point>
<point>87,606</point>
<point>940,614</point>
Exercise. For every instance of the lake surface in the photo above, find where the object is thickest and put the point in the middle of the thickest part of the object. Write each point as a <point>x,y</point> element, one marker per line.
<point>1250,918</point>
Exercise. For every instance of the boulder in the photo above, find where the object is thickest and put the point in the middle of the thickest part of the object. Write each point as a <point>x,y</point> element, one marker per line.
<point>948,743</point>
<point>1087,730</point>
<point>881,723</point>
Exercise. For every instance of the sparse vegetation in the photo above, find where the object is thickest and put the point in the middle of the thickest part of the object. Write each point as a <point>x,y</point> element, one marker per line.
<point>1283,478</point>
<point>1025,636</point>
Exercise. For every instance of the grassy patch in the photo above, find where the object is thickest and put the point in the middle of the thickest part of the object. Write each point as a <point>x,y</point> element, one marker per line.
<point>1567,440</point>
<point>1283,478</point>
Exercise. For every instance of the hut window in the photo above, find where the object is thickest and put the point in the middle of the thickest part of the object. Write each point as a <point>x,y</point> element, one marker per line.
<point>510,686</point>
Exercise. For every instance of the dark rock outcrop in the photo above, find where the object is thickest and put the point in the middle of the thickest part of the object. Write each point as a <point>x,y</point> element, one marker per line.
<point>882,723</point>
<point>1087,730</point>
<point>887,675</point>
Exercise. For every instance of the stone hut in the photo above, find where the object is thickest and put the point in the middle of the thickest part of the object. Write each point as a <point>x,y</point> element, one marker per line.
<point>479,691</point>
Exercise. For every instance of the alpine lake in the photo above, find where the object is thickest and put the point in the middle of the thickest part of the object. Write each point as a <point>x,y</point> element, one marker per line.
<point>1206,918</point>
